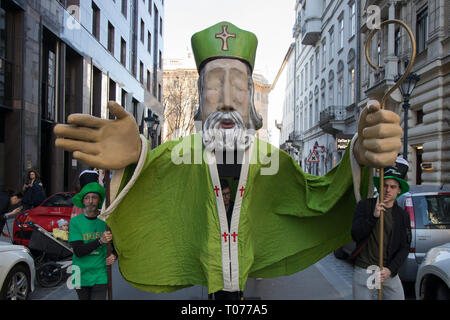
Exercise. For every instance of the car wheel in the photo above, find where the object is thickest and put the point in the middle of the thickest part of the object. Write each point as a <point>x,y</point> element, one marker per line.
<point>17,284</point>
<point>442,292</point>
<point>49,275</point>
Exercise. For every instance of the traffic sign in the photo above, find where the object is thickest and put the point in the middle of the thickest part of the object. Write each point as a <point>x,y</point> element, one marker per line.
<point>313,157</point>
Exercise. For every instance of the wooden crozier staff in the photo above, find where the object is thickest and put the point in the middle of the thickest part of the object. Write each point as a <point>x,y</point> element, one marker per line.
<point>383,104</point>
<point>109,250</point>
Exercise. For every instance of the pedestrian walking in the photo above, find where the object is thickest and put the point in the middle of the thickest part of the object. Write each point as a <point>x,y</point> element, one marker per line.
<point>88,237</point>
<point>9,200</point>
<point>33,190</point>
<point>396,240</point>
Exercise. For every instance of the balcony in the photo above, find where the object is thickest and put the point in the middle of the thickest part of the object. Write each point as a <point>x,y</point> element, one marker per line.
<point>332,119</point>
<point>311,31</point>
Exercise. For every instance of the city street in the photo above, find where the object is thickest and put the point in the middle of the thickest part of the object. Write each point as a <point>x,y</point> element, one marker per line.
<point>329,279</point>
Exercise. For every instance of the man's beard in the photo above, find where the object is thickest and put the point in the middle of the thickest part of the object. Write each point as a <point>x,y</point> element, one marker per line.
<point>216,138</point>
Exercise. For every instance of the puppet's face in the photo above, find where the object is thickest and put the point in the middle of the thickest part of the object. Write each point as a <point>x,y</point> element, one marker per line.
<point>226,104</point>
<point>226,89</point>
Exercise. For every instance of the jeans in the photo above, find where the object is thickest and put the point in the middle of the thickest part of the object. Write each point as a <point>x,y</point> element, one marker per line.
<point>96,292</point>
<point>392,288</point>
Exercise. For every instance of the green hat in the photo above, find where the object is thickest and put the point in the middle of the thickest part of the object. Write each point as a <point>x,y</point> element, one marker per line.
<point>393,173</point>
<point>224,40</point>
<point>94,187</point>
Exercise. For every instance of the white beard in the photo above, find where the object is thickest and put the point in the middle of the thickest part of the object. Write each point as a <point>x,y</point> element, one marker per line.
<point>215,138</point>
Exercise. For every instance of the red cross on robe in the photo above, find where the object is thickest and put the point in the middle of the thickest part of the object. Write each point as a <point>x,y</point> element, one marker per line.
<point>234,235</point>
<point>242,190</point>
<point>216,189</point>
<point>225,236</point>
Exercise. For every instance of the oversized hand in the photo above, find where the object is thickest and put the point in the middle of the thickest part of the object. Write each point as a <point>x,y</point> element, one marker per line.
<point>101,143</point>
<point>379,134</point>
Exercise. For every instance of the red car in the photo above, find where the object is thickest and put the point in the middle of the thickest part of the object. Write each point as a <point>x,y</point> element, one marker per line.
<point>57,206</point>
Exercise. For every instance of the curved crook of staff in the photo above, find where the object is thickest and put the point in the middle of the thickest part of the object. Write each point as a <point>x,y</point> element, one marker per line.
<point>383,104</point>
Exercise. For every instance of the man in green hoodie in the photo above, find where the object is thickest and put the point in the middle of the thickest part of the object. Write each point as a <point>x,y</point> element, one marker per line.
<point>88,237</point>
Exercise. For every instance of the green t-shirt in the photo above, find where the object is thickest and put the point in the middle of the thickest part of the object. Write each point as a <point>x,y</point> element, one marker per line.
<point>92,267</point>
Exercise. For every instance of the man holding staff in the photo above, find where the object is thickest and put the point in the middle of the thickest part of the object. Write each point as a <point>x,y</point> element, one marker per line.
<point>396,240</point>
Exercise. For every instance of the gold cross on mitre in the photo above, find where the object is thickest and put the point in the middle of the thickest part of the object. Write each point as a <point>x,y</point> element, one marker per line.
<point>224,37</point>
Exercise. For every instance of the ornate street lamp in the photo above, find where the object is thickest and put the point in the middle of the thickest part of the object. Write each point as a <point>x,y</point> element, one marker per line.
<point>289,146</point>
<point>152,124</point>
<point>406,89</point>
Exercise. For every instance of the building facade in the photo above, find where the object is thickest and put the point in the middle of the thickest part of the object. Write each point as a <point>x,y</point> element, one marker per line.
<point>72,56</point>
<point>323,82</point>
<point>428,147</point>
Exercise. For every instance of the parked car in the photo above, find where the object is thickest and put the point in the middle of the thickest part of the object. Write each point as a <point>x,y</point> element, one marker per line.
<point>429,211</point>
<point>57,206</point>
<point>17,272</point>
<point>433,276</point>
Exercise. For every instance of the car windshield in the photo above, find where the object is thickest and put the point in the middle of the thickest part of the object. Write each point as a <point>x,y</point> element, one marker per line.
<point>59,200</point>
<point>434,209</point>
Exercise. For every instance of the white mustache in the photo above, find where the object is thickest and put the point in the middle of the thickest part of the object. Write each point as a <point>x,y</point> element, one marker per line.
<point>215,137</point>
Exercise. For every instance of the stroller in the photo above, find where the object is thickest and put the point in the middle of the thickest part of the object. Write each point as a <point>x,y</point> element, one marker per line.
<point>51,256</point>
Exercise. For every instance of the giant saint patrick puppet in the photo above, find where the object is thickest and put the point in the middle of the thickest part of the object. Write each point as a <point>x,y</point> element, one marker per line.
<point>167,214</point>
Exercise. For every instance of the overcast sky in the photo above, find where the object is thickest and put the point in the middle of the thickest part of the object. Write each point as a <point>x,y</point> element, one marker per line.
<point>271,21</point>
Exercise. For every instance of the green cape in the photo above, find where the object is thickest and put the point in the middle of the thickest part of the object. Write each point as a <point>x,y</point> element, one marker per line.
<point>167,233</point>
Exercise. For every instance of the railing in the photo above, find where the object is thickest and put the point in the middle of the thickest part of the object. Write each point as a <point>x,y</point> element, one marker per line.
<point>333,113</point>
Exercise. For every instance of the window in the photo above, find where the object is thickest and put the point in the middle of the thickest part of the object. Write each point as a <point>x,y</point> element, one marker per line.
<point>123,100</point>
<point>331,53</point>
<point>379,54</point>
<point>150,5</point>
<point>124,8</point>
<point>311,73</point>
<point>149,42</point>
<point>148,80</point>
<point>49,86</point>
<point>317,62</point>
<point>123,52</point>
<point>340,96</point>
<point>397,42</point>
<point>95,21</point>
<point>110,38</point>
<point>159,92</point>
<point>323,101</point>
<point>352,85</point>
<point>306,77</point>
<point>141,74</point>
<point>341,32</point>
<point>419,114</point>
<point>160,59</point>
<point>60,200</point>
<point>160,25</point>
<point>353,19</point>
<point>142,30</point>
<point>324,53</point>
<point>422,30</point>
<point>301,80</point>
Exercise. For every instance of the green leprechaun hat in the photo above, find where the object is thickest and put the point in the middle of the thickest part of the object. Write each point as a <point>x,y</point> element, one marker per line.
<point>224,40</point>
<point>94,187</point>
<point>393,173</point>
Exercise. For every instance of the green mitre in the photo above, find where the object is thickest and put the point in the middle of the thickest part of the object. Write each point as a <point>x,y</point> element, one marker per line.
<point>224,40</point>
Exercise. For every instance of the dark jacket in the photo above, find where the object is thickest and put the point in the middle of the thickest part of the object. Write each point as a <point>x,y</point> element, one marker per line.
<point>399,240</point>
